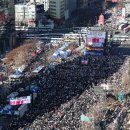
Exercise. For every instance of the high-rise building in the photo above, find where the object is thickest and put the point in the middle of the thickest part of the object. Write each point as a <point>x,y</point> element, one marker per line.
<point>28,15</point>
<point>25,15</point>
<point>57,9</point>
<point>6,24</point>
<point>84,3</point>
<point>70,6</point>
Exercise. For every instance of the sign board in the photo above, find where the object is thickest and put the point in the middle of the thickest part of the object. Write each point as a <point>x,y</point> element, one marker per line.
<point>96,38</point>
<point>20,100</point>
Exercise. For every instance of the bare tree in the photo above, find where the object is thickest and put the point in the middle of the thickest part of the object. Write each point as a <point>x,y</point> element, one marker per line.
<point>21,58</point>
<point>21,54</point>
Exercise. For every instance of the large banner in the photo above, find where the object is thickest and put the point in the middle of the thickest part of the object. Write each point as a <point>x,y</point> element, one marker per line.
<point>20,100</point>
<point>123,12</point>
<point>95,38</point>
<point>98,34</point>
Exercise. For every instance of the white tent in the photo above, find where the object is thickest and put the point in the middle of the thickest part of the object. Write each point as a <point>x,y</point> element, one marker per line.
<point>15,76</point>
<point>64,46</point>
<point>63,54</point>
<point>38,69</point>
<point>21,69</point>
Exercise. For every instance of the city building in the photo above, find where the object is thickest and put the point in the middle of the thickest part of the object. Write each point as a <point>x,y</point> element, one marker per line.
<point>57,9</point>
<point>25,15</point>
<point>28,15</point>
<point>82,3</point>
<point>7,37</point>
<point>44,2</point>
<point>70,6</point>
<point>85,3</point>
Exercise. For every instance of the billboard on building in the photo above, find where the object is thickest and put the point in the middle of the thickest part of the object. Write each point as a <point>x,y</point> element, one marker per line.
<point>20,100</point>
<point>96,38</point>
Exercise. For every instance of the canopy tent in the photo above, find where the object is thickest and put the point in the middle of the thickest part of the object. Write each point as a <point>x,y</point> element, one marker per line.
<point>7,110</point>
<point>21,69</point>
<point>53,65</point>
<point>12,95</point>
<point>56,55</point>
<point>63,54</point>
<point>38,69</point>
<point>64,46</point>
<point>15,76</point>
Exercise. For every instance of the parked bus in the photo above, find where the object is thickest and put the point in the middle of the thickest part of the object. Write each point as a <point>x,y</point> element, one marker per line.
<point>120,37</point>
<point>127,29</point>
<point>122,26</point>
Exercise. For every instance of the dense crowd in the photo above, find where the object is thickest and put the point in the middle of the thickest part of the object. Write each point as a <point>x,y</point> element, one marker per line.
<point>66,91</point>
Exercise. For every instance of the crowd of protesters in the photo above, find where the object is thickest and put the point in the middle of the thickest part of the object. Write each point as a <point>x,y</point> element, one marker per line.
<point>66,91</point>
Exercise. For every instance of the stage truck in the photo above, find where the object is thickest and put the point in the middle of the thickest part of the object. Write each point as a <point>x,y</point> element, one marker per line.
<point>96,42</point>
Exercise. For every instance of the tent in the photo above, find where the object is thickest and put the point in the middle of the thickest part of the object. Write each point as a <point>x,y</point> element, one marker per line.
<point>53,65</point>
<point>64,46</point>
<point>12,95</point>
<point>38,69</point>
<point>7,110</point>
<point>63,54</point>
<point>14,76</point>
<point>56,55</point>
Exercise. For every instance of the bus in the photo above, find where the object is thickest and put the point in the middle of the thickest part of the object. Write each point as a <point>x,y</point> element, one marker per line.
<point>127,29</point>
<point>122,26</point>
<point>120,37</point>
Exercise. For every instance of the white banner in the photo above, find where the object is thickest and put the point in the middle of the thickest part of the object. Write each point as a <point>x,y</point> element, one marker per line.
<point>20,100</point>
<point>123,12</point>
